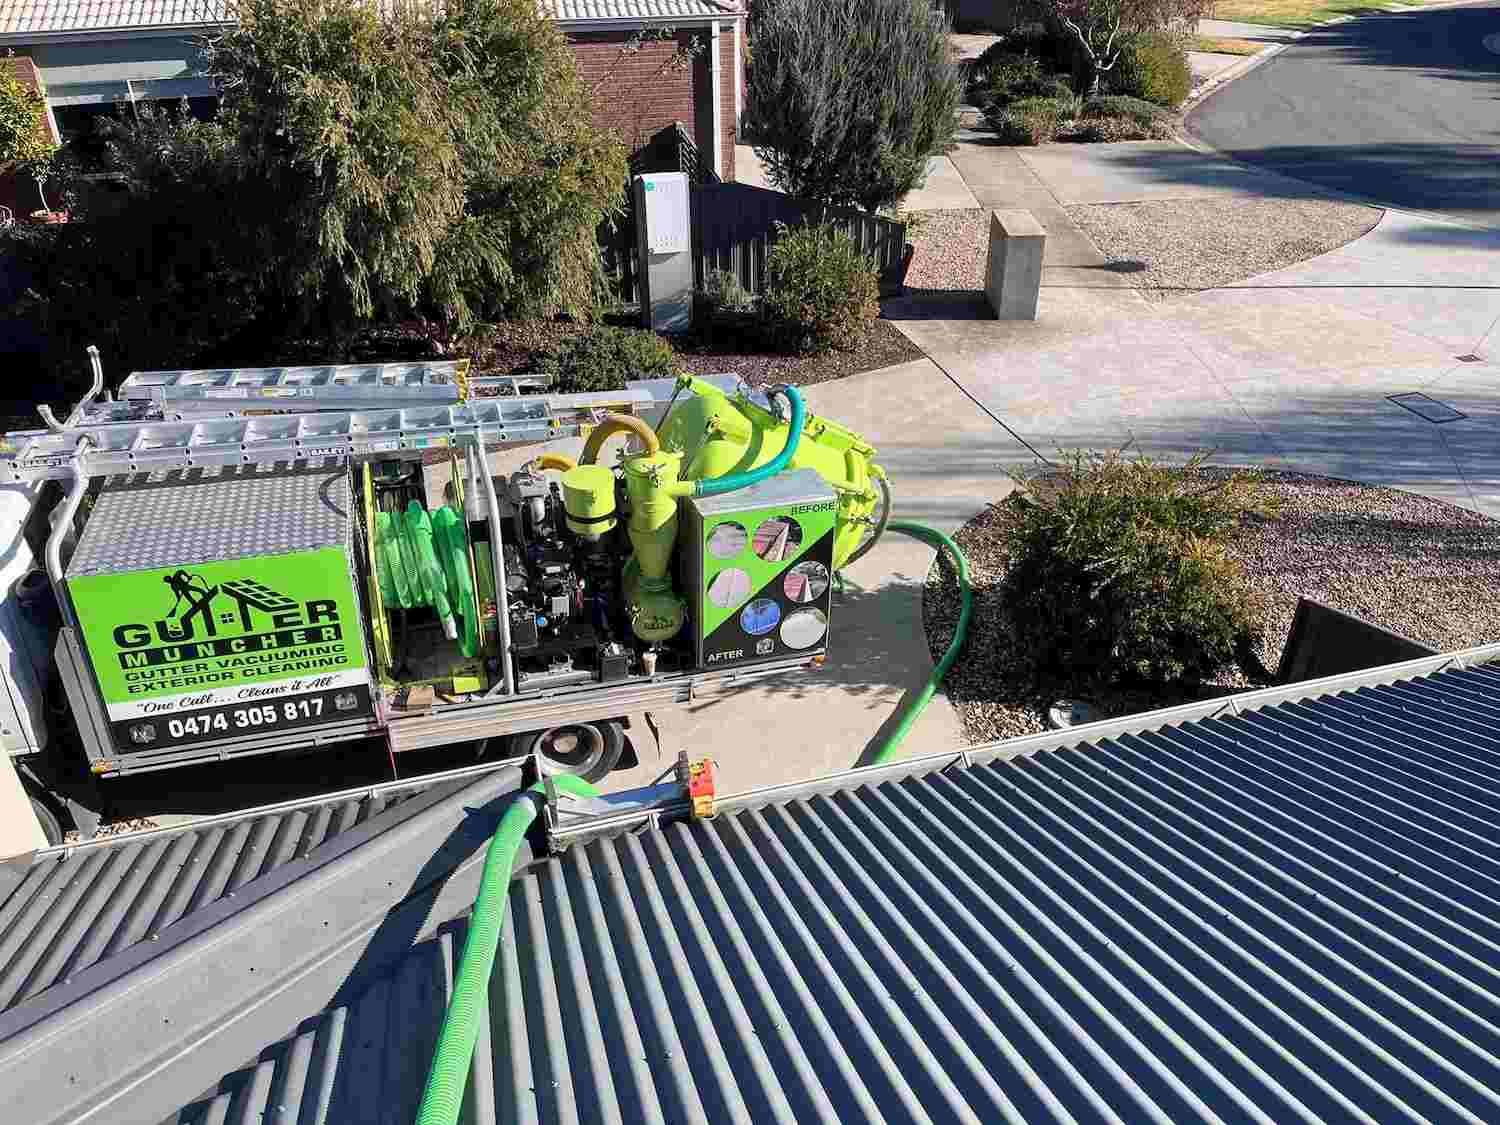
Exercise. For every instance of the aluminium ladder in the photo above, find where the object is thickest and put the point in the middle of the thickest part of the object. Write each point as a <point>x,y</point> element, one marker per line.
<point>101,446</point>
<point>121,436</point>
<point>353,386</point>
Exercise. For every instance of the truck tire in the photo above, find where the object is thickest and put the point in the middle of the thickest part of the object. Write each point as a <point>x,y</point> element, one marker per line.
<point>51,826</point>
<point>589,750</point>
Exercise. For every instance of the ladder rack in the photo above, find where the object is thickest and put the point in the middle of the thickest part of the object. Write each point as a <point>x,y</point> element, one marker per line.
<point>117,446</point>
<point>355,386</point>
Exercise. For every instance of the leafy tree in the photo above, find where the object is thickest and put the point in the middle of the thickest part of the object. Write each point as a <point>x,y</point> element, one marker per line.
<point>847,100</point>
<point>377,162</point>
<point>26,144</point>
<point>1101,29</point>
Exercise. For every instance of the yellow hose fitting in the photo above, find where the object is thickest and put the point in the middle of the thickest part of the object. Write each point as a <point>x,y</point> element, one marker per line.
<point>559,461</point>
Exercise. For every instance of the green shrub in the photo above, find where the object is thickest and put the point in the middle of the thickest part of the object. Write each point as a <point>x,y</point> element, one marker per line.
<point>1153,67</point>
<point>1009,77</point>
<point>847,101</point>
<point>1032,121</point>
<point>1108,129</point>
<point>722,291</point>
<point>1116,117</point>
<point>605,359</point>
<point>1118,570</point>
<point>25,144</point>
<point>1142,112</point>
<point>822,290</point>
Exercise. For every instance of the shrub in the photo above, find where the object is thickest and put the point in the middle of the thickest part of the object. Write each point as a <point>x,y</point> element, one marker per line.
<point>605,359</point>
<point>1154,68</point>
<point>722,291</point>
<point>25,143</point>
<point>1032,121</point>
<point>1100,30</point>
<point>388,163</point>
<point>1015,77</point>
<point>846,101</point>
<point>1118,570</point>
<point>1143,113</point>
<point>822,291</point>
<point>1120,118</point>
<point>1107,129</point>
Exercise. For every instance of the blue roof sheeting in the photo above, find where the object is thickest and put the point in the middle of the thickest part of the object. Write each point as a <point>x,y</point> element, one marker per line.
<point>1286,914</point>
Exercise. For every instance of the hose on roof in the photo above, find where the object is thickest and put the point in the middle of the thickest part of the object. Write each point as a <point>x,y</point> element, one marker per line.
<point>443,1097</point>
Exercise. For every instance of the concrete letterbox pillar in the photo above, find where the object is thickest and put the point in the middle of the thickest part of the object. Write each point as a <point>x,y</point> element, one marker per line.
<point>1013,275</point>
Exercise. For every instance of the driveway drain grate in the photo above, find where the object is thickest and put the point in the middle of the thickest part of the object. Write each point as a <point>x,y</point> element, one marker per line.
<point>1470,358</point>
<point>1429,408</point>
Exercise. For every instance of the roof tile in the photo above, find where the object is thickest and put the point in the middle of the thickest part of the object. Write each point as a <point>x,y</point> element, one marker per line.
<point>17,17</point>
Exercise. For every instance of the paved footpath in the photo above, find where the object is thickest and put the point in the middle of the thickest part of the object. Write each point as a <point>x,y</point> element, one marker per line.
<point>1291,369</point>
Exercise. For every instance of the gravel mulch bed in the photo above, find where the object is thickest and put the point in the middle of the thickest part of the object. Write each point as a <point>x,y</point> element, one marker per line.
<point>949,250</point>
<point>1195,244</point>
<point>514,346</point>
<point>882,347</point>
<point>1416,566</point>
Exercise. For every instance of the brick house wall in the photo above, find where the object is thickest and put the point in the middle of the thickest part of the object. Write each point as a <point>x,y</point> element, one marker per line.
<point>728,120</point>
<point>640,93</point>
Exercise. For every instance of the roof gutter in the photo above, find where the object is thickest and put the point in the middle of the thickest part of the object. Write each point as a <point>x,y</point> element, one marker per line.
<point>632,23</point>
<point>79,35</point>
<point>1011,748</point>
<point>83,35</point>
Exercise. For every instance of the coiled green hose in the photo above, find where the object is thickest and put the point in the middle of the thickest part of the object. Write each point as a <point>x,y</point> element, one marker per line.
<point>938,542</point>
<point>443,1098</point>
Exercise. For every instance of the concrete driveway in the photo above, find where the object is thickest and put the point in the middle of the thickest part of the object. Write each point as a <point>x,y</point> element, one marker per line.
<point>1399,108</point>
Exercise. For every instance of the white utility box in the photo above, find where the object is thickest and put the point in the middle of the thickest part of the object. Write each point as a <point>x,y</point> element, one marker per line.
<point>664,235</point>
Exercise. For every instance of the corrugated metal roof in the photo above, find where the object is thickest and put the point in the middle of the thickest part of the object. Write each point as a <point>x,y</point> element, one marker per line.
<point>74,907</point>
<point>46,16</point>
<point>1281,915</point>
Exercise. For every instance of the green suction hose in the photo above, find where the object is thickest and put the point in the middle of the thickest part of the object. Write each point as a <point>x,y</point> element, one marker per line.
<point>443,1099</point>
<point>938,542</point>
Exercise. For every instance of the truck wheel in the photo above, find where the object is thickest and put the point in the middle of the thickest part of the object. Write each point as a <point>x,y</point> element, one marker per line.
<point>589,750</point>
<point>51,826</point>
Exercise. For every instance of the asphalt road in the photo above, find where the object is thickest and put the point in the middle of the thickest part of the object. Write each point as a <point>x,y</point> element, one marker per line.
<point>1403,109</point>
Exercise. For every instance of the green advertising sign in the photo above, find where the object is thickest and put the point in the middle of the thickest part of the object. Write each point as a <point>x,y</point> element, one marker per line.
<point>225,636</point>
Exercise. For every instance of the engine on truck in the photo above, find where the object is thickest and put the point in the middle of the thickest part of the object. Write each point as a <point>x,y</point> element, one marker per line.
<point>563,589</point>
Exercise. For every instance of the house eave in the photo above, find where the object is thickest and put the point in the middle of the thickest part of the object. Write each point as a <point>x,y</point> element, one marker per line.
<point>79,35</point>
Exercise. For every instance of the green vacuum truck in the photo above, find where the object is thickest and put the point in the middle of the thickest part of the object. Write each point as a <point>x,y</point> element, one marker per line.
<point>205,565</point>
